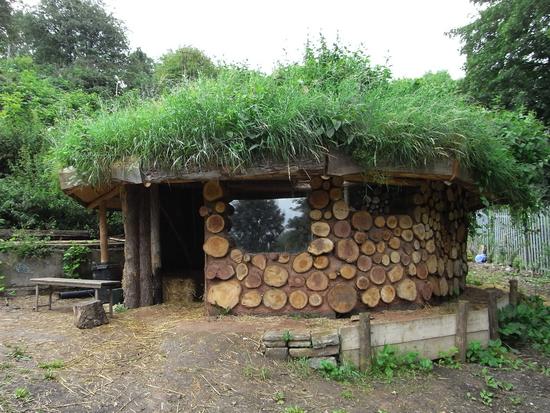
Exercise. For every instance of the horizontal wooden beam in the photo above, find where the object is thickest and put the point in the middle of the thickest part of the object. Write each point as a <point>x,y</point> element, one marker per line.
<point>106,196</point>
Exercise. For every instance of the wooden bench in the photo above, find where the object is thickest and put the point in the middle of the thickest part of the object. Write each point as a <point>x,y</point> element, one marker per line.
<point>52,282</point>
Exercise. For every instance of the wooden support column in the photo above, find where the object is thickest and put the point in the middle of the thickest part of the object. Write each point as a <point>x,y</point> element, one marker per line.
<point>493,314</point>
<point>461,340</point>
<point>365,351</point>
<point>156,262</point>
<point>130,275</point>
<point>513,297</point>
<point>145,272</point>
<point>103,234</point>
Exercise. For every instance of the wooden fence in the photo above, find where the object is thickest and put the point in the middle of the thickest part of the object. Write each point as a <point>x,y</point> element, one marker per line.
<point>511,243</point>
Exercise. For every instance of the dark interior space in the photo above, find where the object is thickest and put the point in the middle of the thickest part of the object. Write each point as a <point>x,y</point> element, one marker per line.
<point>182,233</point>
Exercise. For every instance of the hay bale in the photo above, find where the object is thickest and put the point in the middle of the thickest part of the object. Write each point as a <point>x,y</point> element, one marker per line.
<point>178,290</point>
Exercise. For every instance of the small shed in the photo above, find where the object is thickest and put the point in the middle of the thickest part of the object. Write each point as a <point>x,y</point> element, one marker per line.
<point>324,187</point>
<point>389,237</point>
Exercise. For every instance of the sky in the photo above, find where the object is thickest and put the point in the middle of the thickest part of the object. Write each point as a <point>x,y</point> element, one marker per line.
<point>410,33</point>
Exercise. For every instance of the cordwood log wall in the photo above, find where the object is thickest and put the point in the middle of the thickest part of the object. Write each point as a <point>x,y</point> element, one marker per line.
<point>410,252</point>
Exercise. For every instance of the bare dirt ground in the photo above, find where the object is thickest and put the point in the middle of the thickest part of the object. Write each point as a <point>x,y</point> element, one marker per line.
<point>489,275</point>
<point>173,359</point>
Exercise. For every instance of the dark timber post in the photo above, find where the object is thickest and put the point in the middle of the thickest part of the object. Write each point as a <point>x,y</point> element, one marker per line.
<point>513,297</point>
<point>493,315</point>
<point>103,234</point>
<point>364,342</point>
<point>145,273</point>
<point>461,339</point>
<point>156,262</point>
<point>130,276</point>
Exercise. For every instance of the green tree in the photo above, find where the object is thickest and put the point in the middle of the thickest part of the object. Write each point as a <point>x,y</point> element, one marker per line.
<point>257,224</point>
<point>30,102</point>
<point>507,51</point>
<point>297,232</point>
<point>184,63</point>
<point>138,73</point>
<point>82,38</point>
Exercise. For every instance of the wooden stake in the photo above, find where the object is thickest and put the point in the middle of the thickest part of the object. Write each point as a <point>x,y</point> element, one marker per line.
<point>461,341</point>
<point>364,342</point>
<point>130,276</point>
<point>156,262</point>
<point>103,234</point>
<point>514,293</point>
<point>493,319</point>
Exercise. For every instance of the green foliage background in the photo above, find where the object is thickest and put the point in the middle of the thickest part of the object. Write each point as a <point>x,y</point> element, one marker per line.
<point>60,60</point>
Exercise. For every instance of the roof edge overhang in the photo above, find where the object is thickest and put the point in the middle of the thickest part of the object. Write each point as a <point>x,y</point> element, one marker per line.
<point>333,163</point>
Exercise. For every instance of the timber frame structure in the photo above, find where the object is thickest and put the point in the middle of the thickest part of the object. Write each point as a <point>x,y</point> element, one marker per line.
<point>411,252</point>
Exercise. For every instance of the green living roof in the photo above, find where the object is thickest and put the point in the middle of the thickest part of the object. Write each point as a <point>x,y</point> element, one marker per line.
<point>334,99</point>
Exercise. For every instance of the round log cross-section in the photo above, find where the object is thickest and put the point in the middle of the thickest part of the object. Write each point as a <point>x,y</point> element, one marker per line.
<point>216,246</point>
<point>342,298</point>
<point>302,262</point>
<point>317,281</point>
<point>347,250</point>
<point>275,276</point>
<point>275,299</point>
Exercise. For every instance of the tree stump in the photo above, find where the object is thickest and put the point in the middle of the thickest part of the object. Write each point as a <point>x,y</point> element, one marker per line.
<point>89,314</point>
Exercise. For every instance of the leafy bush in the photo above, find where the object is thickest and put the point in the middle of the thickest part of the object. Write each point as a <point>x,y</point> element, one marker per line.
<point>73,259</point>
<point>25,245</point>
<point>344,372</point>
<point>388,362</point>
<point>494,355</point>
<point>528,322</point>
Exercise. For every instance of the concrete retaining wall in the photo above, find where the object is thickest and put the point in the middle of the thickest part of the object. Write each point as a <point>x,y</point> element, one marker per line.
<point>18,271</point>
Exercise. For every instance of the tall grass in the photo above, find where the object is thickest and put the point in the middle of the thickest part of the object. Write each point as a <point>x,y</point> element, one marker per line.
<point>336,98</point>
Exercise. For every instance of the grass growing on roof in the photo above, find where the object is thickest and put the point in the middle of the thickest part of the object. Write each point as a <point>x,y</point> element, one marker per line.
<point>335,98</point>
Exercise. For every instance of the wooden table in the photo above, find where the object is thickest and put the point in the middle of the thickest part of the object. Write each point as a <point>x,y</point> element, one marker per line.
<point>52,282</point>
